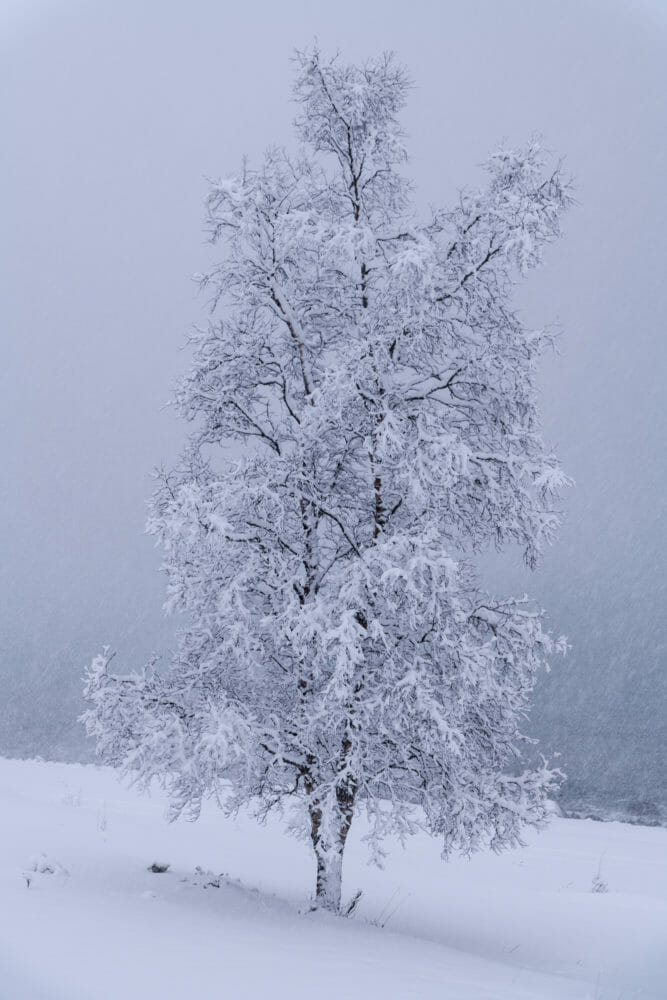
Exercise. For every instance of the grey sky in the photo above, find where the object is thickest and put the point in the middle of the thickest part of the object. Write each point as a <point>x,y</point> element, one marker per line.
<point>113,113</point>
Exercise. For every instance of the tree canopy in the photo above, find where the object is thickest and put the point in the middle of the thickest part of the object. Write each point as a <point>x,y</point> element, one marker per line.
<point>364,423</point>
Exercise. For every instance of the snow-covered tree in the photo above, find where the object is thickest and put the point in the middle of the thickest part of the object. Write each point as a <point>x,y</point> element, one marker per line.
<point>364,423</point>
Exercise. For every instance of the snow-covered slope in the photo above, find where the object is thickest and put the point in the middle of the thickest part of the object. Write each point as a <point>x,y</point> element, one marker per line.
<point>522,926</point>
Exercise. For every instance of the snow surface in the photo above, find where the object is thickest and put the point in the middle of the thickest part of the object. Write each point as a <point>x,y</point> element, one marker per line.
<point>95,923</point>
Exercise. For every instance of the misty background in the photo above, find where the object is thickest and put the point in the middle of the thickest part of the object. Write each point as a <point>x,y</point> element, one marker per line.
<point>113,114</point>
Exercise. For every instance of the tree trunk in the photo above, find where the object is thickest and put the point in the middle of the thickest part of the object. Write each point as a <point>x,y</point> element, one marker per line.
<point>329,881</point>
<point>329,843</point>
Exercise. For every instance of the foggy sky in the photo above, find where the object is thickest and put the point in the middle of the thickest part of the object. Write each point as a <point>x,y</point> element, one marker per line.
<point>113,115</point>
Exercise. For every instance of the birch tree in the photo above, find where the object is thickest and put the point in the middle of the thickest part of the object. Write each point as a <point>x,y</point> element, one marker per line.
<point>364,424</point>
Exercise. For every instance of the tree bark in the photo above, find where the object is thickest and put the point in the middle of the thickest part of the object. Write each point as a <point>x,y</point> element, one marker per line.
<point>329,882</point>
<point>328,845</point>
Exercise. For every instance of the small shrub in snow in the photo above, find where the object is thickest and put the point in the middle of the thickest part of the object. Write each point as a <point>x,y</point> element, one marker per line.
<point>72,798</point>
<point>209,879</point>
<point>598,884</point>
<point>40,864</point>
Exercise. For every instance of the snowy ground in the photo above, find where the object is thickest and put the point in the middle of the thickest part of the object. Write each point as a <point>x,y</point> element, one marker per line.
<point>522,926</point>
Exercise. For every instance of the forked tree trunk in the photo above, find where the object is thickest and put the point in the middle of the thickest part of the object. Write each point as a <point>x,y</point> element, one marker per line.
<point>329,843</point>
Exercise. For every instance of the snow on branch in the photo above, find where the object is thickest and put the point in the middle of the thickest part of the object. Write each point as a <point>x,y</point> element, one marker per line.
<point>376,388</point>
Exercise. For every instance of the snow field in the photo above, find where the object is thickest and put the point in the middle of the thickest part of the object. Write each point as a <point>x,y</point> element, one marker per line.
<point>525,925</point>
